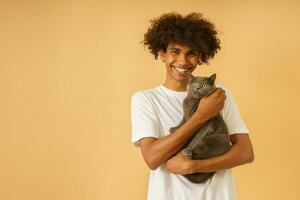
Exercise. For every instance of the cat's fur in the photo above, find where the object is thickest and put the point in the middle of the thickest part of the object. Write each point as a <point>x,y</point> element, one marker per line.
<point>212,139</point>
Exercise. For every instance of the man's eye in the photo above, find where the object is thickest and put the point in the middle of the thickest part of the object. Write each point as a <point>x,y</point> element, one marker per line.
<point>174,52</point>
<point>192,54</point>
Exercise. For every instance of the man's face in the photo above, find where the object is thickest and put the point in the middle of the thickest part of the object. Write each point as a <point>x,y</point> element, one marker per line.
<point>180,61</point>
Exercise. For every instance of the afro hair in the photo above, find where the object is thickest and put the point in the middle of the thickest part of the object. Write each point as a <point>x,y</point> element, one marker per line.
<point>193,30</point>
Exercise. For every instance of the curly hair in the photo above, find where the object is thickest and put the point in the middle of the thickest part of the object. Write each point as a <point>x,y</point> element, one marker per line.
<point>193,30</point>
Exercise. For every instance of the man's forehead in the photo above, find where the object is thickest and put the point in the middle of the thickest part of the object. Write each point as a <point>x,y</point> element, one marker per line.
<point>180,46</point>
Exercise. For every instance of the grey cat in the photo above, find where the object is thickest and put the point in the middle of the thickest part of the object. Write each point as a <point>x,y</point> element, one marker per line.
<point>212,139</point>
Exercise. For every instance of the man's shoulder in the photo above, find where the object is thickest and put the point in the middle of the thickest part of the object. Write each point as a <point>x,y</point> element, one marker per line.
<point>221,85</point>
<point>146,92</point>
<point>225,88</point>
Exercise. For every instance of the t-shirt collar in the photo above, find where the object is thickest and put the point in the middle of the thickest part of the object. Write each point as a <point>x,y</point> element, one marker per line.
<point>173,92</point>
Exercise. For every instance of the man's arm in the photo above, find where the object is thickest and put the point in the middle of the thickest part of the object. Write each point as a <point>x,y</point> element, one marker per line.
<point>240,153</point>
<point>158,151</point>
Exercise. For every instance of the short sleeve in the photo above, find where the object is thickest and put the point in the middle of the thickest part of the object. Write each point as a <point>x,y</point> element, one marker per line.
<point>144,122</point>
<point>231,115</point>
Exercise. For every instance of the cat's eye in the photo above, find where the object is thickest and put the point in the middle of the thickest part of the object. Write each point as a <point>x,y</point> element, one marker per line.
<point>195,85</point>
<point>203,85</point>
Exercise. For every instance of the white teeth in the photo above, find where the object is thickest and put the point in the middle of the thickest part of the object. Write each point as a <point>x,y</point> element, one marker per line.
<point>181,70</point>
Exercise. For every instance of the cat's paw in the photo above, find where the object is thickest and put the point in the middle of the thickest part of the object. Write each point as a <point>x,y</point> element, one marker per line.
<point>187,153</point>
<point>173,129</point>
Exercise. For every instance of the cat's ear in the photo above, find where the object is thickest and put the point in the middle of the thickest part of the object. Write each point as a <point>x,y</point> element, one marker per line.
<point>191,78</point>
<point>213,77</point>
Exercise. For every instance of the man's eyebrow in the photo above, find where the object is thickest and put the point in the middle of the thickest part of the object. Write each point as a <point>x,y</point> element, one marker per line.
<point>174,48</point>
<point>177,49</point>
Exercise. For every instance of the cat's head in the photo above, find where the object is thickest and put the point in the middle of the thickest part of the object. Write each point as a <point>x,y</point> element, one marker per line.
<point>201,86</point>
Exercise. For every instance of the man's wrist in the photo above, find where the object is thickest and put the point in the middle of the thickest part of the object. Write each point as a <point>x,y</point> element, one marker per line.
<point>193,166</point>
<point>196,166</point>
<point>199,118</point>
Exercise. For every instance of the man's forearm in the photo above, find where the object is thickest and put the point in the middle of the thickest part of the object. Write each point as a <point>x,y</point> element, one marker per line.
<point>238,154</point>
<point>165,147</point>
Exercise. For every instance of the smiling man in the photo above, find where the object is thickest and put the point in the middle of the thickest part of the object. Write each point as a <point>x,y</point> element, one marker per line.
<point>183,43</point>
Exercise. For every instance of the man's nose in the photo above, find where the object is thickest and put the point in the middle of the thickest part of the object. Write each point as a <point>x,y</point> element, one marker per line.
<point>182,60</point>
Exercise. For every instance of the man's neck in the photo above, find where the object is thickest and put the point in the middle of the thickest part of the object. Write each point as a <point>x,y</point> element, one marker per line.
<point>176,86</point>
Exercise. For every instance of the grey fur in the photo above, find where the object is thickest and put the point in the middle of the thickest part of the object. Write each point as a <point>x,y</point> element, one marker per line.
<point>212,139</point>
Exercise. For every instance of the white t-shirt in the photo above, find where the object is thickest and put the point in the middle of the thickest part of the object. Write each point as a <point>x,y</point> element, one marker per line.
<point>153,112</point>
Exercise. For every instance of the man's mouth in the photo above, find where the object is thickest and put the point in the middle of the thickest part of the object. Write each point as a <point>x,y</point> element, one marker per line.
<point>182,71</point>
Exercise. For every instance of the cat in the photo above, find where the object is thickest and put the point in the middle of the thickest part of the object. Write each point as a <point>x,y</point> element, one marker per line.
<point>212,139</point>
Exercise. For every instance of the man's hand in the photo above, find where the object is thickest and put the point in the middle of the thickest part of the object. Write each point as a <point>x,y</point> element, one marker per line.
<point>179,165</point>
<point>210,106</point>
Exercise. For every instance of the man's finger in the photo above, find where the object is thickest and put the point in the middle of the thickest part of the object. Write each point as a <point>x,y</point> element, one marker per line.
<point>217,92</point>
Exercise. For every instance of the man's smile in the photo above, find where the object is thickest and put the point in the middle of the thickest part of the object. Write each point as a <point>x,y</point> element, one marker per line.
<point>182,71</point>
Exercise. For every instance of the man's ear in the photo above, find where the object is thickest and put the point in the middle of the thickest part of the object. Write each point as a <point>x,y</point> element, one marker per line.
<point>162,55</point>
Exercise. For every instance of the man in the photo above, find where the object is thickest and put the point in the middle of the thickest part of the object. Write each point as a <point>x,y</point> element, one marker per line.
<point>183,43</point>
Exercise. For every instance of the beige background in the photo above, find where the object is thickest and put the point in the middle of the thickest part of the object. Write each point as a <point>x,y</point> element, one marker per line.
<point>69,68</point>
